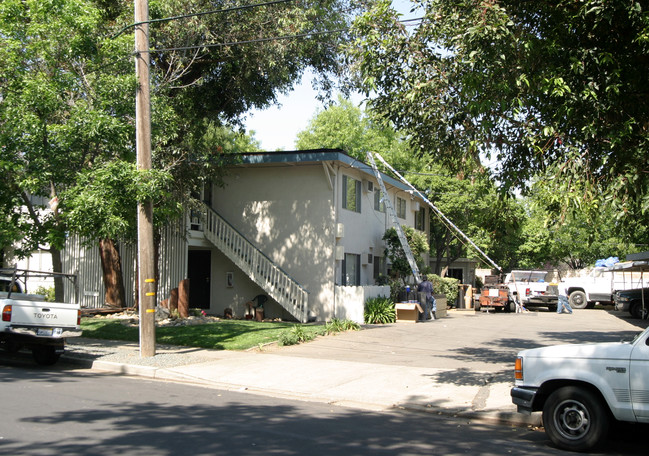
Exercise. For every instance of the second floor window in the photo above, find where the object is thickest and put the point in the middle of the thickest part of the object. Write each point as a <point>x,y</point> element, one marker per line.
<point>351,194</point>
<point>379,205</point>
<point>401,208</point>
<point>420,219</point>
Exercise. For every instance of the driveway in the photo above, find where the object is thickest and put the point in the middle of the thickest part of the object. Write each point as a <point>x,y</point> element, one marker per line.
<point>468,341</point>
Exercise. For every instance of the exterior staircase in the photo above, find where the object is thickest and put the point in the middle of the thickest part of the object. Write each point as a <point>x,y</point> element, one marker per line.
<point>261,269</point>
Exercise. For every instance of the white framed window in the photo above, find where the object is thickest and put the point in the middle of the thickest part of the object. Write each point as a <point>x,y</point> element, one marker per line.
<point>380,267</point>
<point>351,194</point>
<point>351,273</point>
<point>379,205</point>
<point>401,208</point>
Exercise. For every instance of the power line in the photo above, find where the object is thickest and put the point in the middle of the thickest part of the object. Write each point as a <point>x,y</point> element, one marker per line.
<point>202,13</point>
<point>257,40</point>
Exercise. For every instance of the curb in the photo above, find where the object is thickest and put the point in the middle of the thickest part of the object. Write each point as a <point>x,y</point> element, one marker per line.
<point>163,374</point>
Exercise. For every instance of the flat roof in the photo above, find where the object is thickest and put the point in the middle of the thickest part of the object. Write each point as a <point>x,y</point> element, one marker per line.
<point>314,156</point>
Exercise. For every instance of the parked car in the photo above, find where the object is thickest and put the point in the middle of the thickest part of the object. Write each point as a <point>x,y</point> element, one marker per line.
<point>631,301</point>
<point>581,388</point>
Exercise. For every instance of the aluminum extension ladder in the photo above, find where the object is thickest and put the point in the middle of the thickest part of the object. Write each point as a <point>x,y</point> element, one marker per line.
<point>395,221</point>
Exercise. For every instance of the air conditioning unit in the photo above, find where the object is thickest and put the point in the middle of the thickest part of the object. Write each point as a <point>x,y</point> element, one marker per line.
<point>340,252</point>
<point>340,230</point>
<point>416,206</point>
<point>368,186</point>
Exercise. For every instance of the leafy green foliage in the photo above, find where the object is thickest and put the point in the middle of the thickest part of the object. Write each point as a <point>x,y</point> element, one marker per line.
<point>446,286</point>
<point>379,311</point>
<point>67,87</point>
<point>295,335</point>
<point>556,87</point>
<point>47,292</point>
<point>336,325</point>
<point>394,251</point>
<point>577,238</point>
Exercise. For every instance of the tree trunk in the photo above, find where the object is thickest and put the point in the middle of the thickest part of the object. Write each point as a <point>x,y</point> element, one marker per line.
<point>111,267</point>
<point>57,266</point>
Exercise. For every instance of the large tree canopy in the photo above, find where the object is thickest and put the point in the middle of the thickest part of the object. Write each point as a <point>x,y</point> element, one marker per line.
<point>67,89</point>
<point>541,87</point>
<point>469,201</point>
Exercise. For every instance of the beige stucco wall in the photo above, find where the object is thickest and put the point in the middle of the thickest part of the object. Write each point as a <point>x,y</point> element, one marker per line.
<point>364,231</point>
<point>288,212</point>
<point>292,213</point>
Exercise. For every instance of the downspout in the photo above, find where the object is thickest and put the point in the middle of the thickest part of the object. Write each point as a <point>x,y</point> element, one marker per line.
<point>335,198</point>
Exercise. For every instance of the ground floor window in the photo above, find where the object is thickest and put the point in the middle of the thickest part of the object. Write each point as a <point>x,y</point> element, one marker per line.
<point>380,267</point>
<point>351,270</point>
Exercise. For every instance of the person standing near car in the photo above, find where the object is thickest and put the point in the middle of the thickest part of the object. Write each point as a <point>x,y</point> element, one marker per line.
<point>426,287</point>
<point>563,303</point>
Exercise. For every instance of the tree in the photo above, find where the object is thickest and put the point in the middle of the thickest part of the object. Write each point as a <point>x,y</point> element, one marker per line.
<point>67,109</point>
<point>577,239</point>
<point>469,201</point>
<point>394,250</point>
<point>472,205</point>
<point>347,127</point>
<point>539,86</point>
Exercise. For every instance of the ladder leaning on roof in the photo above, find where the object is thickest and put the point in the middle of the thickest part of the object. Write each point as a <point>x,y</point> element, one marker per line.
<point>438,212</point>
<point>395,220</point>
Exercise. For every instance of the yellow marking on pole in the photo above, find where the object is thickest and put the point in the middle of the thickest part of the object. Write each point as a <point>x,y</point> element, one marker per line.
<point>150,294</point>
<point>149,280</point>
<point>150,311</point>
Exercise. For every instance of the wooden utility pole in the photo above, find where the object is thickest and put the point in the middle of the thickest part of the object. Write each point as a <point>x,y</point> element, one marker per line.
<point>147,286</point>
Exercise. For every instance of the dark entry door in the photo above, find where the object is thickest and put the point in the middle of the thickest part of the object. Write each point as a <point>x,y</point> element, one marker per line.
<point>199,272</point>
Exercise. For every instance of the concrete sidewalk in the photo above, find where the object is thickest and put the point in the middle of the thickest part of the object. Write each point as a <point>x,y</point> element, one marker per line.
<point>461,365</point>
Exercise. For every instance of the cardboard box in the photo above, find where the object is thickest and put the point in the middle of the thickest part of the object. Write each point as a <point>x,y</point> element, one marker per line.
<point>408,311</point>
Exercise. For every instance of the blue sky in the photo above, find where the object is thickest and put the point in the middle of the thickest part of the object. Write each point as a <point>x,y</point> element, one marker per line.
<point>277,127</point>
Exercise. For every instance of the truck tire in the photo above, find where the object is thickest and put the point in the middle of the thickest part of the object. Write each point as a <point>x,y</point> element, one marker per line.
<point>578,300</point>
<point>45,355</point>
<point>635,309</point>
<point>575,419</point>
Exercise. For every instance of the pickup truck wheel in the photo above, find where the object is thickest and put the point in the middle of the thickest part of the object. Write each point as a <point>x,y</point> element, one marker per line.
<point>575,419</point>
<point>45,355</point>
<point>578,300</point>
<point>635,309</point>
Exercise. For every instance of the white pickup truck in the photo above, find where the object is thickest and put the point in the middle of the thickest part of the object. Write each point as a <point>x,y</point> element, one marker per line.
<point>531,289</point>
<point>581,388</point>
<point>28,321</point>
<point>598,286</point>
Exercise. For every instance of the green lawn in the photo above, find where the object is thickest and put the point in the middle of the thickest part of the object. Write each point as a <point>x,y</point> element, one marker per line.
<point>221,335</point>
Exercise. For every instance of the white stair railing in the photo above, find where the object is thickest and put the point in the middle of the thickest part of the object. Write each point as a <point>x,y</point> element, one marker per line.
<point>262,270</point>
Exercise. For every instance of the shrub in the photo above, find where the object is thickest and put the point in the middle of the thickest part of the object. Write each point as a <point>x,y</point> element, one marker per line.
<point>336,325</point>
<point>446,285</point>
<point>379,311</point>
<point>294,336</point>
<point>47,292</point>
